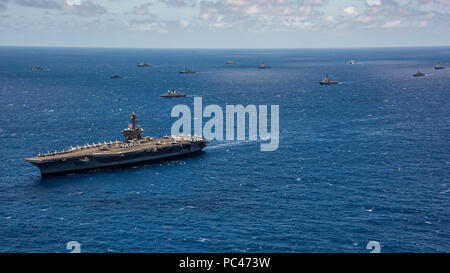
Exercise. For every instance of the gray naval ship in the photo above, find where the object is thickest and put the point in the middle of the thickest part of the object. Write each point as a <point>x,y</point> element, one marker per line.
<point>144,64</point>
<point>264,66</point>
<point>134,149</point>
<point>173,94</point>
<point>439,66</point>
<point>187,71</point>
<point>328,81</point>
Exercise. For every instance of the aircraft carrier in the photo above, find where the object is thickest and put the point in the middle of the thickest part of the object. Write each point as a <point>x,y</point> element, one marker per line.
<point>134,149</point>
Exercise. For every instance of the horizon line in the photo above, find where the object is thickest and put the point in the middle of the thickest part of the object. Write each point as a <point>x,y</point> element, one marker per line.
<point>230,48</point>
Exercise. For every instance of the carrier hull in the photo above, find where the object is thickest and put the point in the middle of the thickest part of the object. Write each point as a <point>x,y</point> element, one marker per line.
<point>102,160</point>
<point>135,149</point>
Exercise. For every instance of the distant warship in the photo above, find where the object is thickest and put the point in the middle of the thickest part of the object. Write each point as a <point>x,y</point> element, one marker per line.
<point>143,64</point>
<point>37,68</point>
<point>116,77</point>
<point>230,62</point>
<point>419,74</point>
<point>134,149</point>
<point>439,66</point>
<point>352,62</point>
<point>328,81</point>
<point>264,66</point>
<point>187,71</point>
<point>173,94</point>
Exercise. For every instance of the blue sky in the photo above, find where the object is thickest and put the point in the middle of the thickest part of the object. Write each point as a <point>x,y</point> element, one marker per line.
<point>225,23</point>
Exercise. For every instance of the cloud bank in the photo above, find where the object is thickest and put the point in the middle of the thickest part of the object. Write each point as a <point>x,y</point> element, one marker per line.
<point>172,17</point>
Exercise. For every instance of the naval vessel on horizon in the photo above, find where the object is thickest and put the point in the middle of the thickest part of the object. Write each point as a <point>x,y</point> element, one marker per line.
<point>135,149</point>
<point>173,94</point>
<point>187,71</point>
<point>327,81</point>
<point>37,68</point>
<point>264,66</point>
<point>439,66</point>
<point>143,64</point>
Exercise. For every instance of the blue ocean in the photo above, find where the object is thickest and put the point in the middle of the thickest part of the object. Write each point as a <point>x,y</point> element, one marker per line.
<point>365,160</point>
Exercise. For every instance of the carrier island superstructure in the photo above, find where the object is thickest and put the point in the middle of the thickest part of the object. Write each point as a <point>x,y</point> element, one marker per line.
<point>134,149</point>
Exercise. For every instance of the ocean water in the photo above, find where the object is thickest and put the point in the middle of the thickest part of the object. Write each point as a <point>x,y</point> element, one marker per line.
<point>365,160</point>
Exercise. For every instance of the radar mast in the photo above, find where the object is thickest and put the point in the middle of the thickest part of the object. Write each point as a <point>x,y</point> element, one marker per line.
<point>133,132</point>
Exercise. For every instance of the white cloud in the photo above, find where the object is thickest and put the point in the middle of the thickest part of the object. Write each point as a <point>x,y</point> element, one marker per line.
<point>392,24</point>
<point>297,23</point>
<point>351,11</point>
<point>374,2</point>
<point>146,25</point>
<point>142,9</point>
<point>73,2</point>
<point>262,15</point>
<point>252,10</point>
